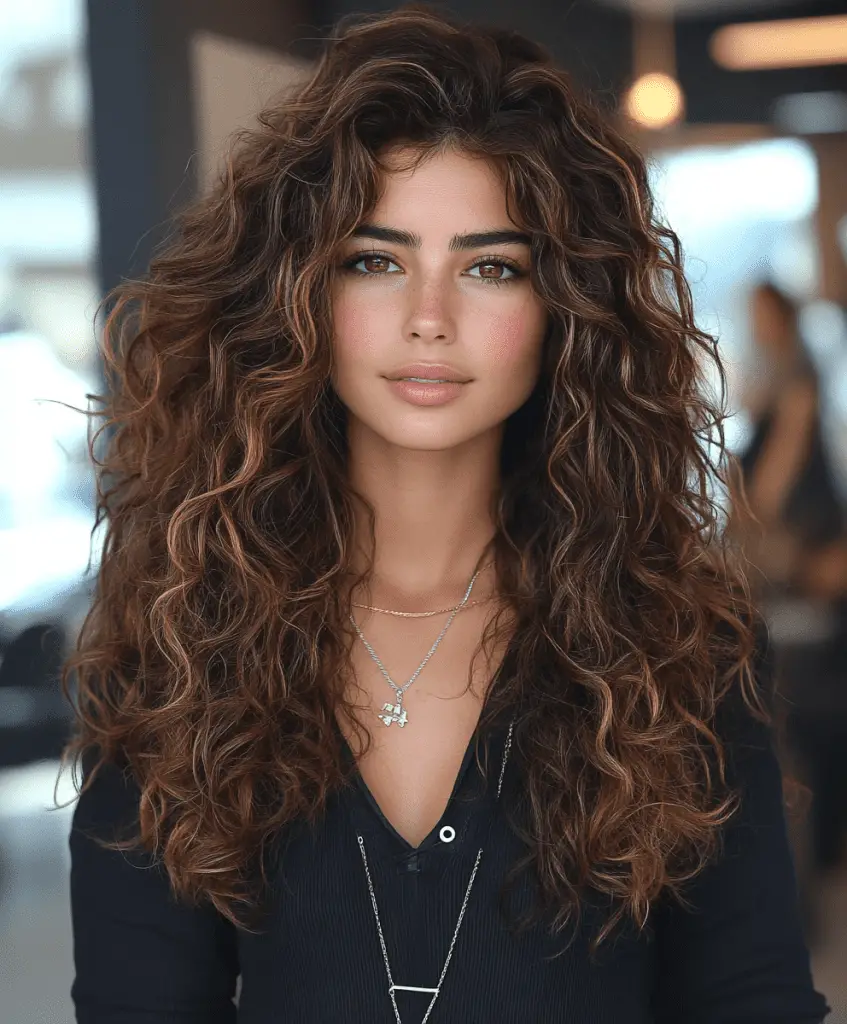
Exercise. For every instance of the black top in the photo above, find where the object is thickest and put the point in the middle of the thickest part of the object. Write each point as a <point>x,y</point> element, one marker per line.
<point>737,958</point>
<point>814,514</point>
<point>813,508</point>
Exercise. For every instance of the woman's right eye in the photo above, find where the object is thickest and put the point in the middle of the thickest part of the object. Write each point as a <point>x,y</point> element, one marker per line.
<point>375,264</point>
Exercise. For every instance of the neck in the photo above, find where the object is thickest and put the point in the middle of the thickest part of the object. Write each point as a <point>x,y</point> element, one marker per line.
<point>432,516</point>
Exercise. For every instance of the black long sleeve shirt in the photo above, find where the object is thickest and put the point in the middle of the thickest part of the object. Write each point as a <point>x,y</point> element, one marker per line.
<point>736,957</point>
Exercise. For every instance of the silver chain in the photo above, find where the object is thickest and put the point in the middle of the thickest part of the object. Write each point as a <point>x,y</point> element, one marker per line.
<point>396,712</point>
<point>423,615</point>
<point>418,615</point>
<point>437,990</point>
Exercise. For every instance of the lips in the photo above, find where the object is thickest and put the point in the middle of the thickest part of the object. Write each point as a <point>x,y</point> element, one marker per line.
<point>430,371</point>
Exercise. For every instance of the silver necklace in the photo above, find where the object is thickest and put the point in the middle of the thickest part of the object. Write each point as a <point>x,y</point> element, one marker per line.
<point>423,615</point>
<point>392,987</point>
<point>418,615</point>
<point>396,712</point>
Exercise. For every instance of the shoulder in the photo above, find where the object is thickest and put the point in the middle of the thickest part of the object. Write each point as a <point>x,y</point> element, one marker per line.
<point>108,804</point>
<point>127,926</point>
<point>745,717</point>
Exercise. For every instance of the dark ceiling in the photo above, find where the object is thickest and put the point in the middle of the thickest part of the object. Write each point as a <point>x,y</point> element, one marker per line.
<point>593,38</point>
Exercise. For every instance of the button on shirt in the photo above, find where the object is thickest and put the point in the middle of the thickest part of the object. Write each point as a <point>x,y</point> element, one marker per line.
<point>143,958</point>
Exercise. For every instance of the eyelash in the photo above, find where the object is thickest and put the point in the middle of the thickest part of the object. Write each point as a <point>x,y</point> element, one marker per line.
<point>485,261</point>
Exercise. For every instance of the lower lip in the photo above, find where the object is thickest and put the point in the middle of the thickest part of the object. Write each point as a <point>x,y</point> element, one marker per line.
<point>426,394</point>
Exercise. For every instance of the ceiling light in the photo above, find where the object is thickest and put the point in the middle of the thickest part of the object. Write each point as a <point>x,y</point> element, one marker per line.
<point>790,43</point>
<point>654,100</point>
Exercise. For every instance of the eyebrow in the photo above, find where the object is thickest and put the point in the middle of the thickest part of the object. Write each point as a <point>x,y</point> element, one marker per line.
<point>474,240</point>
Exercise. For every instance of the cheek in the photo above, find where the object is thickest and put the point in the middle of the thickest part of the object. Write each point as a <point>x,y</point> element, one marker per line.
<point>513,339</point>
<point>355,328</point>
<point>348,317</point>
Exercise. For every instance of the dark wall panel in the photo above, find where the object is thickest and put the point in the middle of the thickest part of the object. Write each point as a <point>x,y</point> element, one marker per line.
<point>715,94</point>
<point>143,133</point>
<point>591,41</point>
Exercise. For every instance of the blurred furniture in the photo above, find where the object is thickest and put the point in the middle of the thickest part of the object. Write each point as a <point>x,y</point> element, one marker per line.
<point>35,718</point>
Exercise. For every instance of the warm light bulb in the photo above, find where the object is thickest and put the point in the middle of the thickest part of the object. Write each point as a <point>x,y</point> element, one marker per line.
<point>655,100</point>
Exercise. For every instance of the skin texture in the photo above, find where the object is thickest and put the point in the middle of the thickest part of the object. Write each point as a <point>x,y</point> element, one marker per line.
<point>429,472</point>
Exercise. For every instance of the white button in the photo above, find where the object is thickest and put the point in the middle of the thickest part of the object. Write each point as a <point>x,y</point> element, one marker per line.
<point>447,834</point>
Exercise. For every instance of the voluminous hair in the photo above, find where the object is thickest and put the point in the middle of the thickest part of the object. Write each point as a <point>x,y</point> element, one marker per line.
<point>211,658</point>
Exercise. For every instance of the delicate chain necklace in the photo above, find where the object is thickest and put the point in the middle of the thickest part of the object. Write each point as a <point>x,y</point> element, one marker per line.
<point>424,615</point>
<point>392,987</point>
<point>419,615</point>
<point>396,712</point>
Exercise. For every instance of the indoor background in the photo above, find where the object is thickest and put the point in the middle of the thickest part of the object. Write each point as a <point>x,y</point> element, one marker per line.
<point>114,112</point>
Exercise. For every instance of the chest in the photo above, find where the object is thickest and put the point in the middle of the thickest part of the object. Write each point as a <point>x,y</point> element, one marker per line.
<point>410,769</point>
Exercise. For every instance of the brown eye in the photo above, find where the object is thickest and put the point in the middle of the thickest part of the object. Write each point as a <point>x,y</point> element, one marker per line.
<point>497,271</point>
<point>375,263</point>
<point>369,264</point>
<point>491,270</point>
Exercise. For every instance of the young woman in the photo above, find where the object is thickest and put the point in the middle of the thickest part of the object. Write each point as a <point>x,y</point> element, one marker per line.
<point>798,545</point>
<point>416,687</point>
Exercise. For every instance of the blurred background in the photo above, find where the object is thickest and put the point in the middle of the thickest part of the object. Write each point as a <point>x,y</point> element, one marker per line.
<point>114,112</point>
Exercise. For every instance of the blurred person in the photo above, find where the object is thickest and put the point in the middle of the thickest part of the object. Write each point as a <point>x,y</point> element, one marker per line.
<point>799,547</point>
<point>406,563</point>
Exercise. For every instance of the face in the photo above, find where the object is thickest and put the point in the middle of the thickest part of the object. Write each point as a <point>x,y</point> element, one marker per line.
<point>438,277</point>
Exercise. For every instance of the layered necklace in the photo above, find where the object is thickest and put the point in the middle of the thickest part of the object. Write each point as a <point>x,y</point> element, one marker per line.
<point>436,991</point>
<point>395,712</point>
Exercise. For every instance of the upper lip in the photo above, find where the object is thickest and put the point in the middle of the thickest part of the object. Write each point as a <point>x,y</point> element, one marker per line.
<point>430,371</point>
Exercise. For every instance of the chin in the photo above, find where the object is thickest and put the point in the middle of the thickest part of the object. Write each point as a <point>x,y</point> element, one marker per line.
<point>414,433</point>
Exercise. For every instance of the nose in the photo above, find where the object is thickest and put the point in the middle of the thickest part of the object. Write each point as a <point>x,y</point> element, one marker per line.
<point>430,317</point>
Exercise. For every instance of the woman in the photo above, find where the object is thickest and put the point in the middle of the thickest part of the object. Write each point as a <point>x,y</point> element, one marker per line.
<point>798,545</point>
<point>411,667</point>
<point>787,477</point>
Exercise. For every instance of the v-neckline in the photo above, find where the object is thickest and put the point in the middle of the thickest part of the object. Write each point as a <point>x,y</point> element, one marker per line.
<point>371,799</point>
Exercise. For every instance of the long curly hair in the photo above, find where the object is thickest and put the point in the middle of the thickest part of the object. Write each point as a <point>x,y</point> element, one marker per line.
<point>210,660</point>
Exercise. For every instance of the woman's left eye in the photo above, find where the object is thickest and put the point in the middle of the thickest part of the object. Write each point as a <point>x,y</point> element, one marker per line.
<point>496,265</point>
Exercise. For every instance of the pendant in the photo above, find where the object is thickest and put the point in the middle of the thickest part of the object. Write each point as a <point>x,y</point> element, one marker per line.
<point>396,713</point>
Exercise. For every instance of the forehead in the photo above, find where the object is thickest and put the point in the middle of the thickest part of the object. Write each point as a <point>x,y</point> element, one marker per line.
<point>450,183</point>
